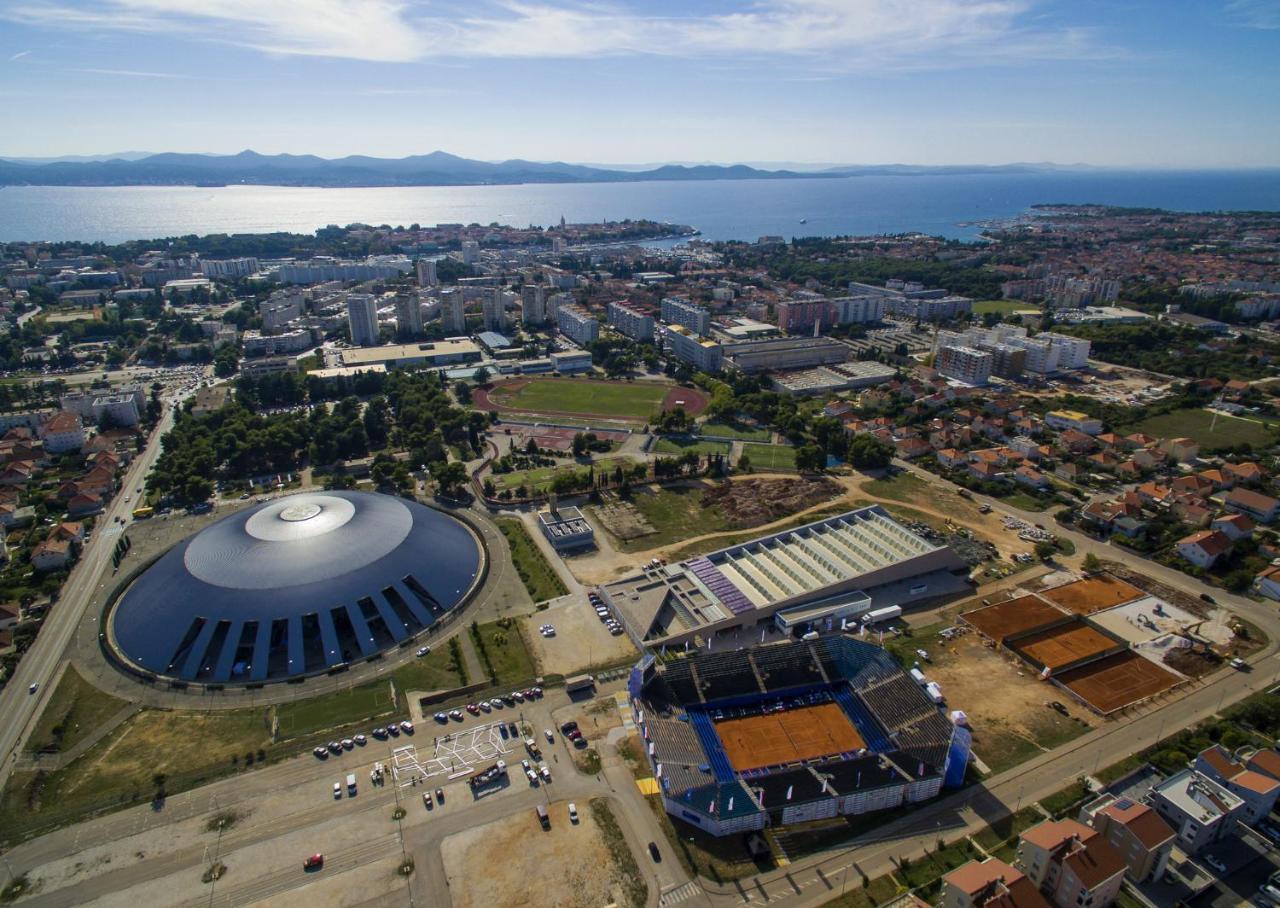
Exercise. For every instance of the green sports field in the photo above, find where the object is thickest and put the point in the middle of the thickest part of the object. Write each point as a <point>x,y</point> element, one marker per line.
<point>685,445</point>
<point>733,430</point>
<point>610,400</point>
<point>770,457</point>
<point>1227,432</point>
<point>1002,307</point>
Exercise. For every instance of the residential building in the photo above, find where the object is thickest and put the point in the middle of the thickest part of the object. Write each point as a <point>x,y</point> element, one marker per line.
<point>1199,809</point>
<point>1204,548</point>
<point>533,305</point>
<point>677,311</point>
<point>279,311</point>
<point>1073,419</point>
<point>62,432</point>
<point>494,310</point>
<point>426,272</point>
<point>228,269</point>
<point>992,882</point>
<point>256,344</point>
<point>362,319</point>
<point>453,313</point>
<point>965,364</point>
<point>470,252</point>
<point>1262,508</point>
<point>684,344</point>
<point>1139,834</point>
<point>631,322</point>
<point>51,554</point>
<point>857,309</point>
<point>268,365</point>
<point>123,407</point>
<point>577,325</point>
<point>409,314</point>
<point>1071,863</point>
<point>800,316</point>
<point>1073,352</point>
<point>1267,583</point>
<point>325,268</point>
<point>1257,790</point>
<point>1234,526</point>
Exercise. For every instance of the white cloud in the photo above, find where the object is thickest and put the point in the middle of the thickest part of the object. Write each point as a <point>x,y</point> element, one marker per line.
<point>19,55</point>
<point>838,34</point>
<point>1254,13</point>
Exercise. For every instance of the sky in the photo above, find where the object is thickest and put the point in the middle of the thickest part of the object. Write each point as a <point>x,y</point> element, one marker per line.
<point>1134,83</point>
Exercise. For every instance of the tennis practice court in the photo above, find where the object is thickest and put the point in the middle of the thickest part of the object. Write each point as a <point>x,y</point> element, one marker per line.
<point>1093,594</point>
<point>1060,647</point>
<point>1013,617</point>
<point>788,737</point>
<point>1116,681</point>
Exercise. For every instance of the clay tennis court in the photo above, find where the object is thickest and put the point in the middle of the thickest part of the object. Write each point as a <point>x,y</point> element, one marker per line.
<point>788,737</point>
<point>1062,646</point>
<point>1093,594</point>
<point>1013,617</point>
<point>1116,681</point>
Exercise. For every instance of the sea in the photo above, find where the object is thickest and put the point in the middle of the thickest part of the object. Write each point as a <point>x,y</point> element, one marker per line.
<point>956,206</point>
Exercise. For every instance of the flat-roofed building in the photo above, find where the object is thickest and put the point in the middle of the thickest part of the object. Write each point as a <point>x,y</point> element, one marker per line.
<point>800,316</point>
<point>362,319</point>
<point>964,364</point>
<point>453,312</point>
<point>566,528</point>
<point>631,322</point>
<point>577,325</point>
<point>777,354</point>
<point>685,345</point>
<point>437,353</point>
<point>678,311</point>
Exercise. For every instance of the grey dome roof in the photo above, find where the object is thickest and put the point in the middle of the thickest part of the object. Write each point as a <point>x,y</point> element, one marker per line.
<point>295,586</point>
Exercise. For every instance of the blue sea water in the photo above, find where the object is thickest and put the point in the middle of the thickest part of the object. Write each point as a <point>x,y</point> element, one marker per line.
<point>947,205</point>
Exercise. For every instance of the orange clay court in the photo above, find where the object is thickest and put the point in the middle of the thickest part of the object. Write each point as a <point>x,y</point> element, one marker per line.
<point>788,737</point>
<point>1013,617</point>
<point>1065,645</point>
<point>1093,594</point>
<point>1116,681</point>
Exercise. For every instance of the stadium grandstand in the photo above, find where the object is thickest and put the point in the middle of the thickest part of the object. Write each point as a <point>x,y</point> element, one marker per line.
<point>837,568</point>
<point>791,732</point>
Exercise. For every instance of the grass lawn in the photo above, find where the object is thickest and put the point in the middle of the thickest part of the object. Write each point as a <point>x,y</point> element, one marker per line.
<point>543,476</point>
<point>676,513</point>
<point>1002,747</point>
<point>1009,828</point>
<point>722,542</point>
<point>903,486</point>
<point>633,400</point>
<point>1064,798</point>
<point>770,457</point>
<point>1001,307</point>
<point>434,671</point>
<point>507,652</point>
<point>1228,431</point>
<point>666,445</point>
<point>75,709</point>
<point>734,430</point>
<point>539,578</point>
<point>364,701</point>
<point>1026,502</point>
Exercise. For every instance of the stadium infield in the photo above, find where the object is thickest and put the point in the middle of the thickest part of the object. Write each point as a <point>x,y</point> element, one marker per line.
<point>788,737</point>
<point>1117,681</point>
<point>1093,594</point>
<point>1059,647</point>
<point>584,397</point>
<point>1016,616</point>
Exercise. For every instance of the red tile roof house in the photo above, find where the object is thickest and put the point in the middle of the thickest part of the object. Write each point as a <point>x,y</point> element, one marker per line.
<point>51,554</point>
<point>1072,862</point>
<point>1030,477</point>
<point>1262,508</point>
<point>1244,472</point>
<point>990,883</point>
<point>1267,583</point>
<point>1136,831</point>
<point>987,472</point>
<point>1258,790</point>
<point>1204,548</point>
<point>1235,526</point>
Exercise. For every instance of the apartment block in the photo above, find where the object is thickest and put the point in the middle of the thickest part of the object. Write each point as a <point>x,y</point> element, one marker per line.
<point>966,364</point>
<point>685,345</point>
<point>631,322</point>
<point>677,311</point>
<point>577,325</point>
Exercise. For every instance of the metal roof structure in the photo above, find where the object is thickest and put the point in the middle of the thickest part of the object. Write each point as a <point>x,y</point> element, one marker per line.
<point>293,587</point>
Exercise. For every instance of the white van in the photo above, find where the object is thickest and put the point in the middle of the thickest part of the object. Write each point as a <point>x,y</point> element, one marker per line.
<point>351,783</point>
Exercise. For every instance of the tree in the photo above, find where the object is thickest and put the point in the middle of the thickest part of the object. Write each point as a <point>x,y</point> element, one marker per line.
<point>450,477</point>
<point>1092,563</point>
<point>579,444</point>
<point>744,463</point>
<point>462,391</point>
<point>866,452</point>
<point>1045,550</point>
<point>481,376</point>
<point>810,459</point>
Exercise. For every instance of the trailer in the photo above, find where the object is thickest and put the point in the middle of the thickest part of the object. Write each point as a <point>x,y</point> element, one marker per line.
<point>579,682</point>
<point>888,613</point>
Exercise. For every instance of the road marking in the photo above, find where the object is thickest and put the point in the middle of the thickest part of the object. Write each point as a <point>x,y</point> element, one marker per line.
<point>678,895</point>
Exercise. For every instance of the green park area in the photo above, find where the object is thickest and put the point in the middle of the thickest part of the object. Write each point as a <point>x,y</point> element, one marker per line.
<point>770,457</point>
<point>74,711</point>
<point>733,430</point>
<point>503,652</point>
<point>608,399</point>
<point>666,445</point>
<point>539,578</point>
<point>540,479</point>
<point>1211,430</point>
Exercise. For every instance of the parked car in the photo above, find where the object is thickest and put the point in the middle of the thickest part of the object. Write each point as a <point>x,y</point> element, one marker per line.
<point>567,727</point>
<point>321,752</point>
<point>315,862</point>
<point>1239,665</point>
<point>337,791</point>
<point>655,853</point>
<point>1215,863</point>
<point>406,726</point>
<point>440,795</point>
<point>423,650</point>
<point>426,800</point>
<point>573,812</point>
<point>442,717</point>
<point>550,737</point>
<point>361,740</point>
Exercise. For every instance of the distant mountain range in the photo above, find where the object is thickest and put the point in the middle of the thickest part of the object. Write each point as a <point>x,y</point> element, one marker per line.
<point>435,169</point>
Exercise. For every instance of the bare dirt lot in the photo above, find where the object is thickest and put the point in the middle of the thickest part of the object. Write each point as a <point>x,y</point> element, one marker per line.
<point>753,502</point>
<point>1003,698</point>
<point>566,867</point>
<point>581,639</point>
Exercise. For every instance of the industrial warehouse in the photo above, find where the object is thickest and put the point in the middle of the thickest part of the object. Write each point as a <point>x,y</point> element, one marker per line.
<point>791,732</point>
<point>838,568</point>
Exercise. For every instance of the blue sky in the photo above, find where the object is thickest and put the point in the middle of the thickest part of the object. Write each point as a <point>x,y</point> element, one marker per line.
<point>1120,82</point>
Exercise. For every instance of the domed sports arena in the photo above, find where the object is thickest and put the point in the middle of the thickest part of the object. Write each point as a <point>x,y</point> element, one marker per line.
<point>295,587</point>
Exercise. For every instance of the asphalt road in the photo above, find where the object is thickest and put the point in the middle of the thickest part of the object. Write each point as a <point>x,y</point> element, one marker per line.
<point>40,664</point>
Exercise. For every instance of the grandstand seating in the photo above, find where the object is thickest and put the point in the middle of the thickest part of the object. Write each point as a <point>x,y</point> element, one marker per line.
<point>897,701</point>
<point>871,730</point>
<point>676,741</point>
<point>780,668</point>
<point>721,768</point>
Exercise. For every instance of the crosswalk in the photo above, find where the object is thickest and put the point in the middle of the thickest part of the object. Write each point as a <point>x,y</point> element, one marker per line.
<point>679,894</point>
